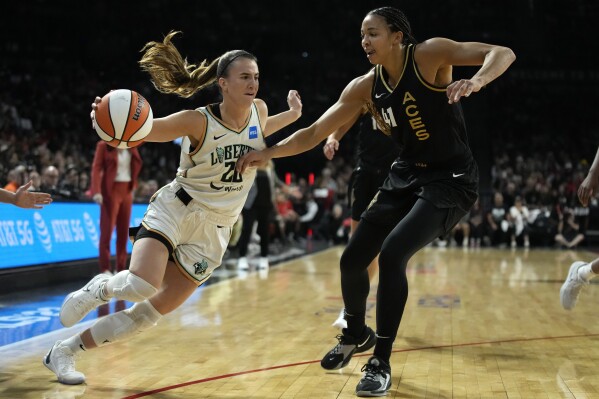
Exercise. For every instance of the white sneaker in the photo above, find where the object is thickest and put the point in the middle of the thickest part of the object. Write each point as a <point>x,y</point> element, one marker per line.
<point>79,303</point>
<point>61,360</point>
<point>263,274</point>
<point>340,323</point>
<point>243,274</point>
<point>242,263</point>
<point>570,290</point>
<point>263,263</point>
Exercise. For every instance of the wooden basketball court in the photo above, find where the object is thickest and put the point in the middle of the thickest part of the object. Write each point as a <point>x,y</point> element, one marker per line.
<point>480,323</point>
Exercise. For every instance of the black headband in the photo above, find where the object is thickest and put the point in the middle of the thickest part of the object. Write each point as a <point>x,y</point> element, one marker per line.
<point>220,71</point>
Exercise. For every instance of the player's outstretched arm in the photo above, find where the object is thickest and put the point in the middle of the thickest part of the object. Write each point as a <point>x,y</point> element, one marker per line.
<point>24,198</point>
<point>355,95</point>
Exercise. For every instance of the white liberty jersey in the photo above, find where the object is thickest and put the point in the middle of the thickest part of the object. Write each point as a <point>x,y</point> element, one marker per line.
<point>208,172</point>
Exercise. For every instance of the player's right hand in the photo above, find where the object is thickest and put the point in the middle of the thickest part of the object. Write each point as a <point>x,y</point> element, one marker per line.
<point>330,148</point>
<point>92,114</point>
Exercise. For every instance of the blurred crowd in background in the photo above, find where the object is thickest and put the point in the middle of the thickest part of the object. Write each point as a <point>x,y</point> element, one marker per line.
<point>534,132</point>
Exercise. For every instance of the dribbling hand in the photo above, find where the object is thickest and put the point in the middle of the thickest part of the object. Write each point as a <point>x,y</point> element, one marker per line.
<point>92,114</point>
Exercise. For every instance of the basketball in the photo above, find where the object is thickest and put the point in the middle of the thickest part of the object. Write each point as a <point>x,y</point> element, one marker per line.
<point>123,118</point>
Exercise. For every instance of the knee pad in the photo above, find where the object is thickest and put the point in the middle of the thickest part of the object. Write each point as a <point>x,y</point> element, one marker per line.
<point>126,285</point>
<point>125,324</point>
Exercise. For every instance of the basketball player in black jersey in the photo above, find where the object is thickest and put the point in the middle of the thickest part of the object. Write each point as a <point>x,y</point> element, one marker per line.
<point>430,186</point>
<point>375,153</point>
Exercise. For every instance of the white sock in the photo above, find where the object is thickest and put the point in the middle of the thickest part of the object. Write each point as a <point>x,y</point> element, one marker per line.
<point>75,344</point>
<point>586,272</point>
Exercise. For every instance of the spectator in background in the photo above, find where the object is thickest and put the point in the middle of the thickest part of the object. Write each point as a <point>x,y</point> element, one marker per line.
<point>509,193</point>
<point>324,191</point>
<point>258,207</point>
<point>461,231</point>
<point>287,218</point>
<point>84,188</point>
<point>497,223</point>
<point>16,178</point>
<point>145,190</point>
<point>334,226</point>
<point>36,181</point>
<point>114,177</point>
<point>518,217</point>
<point>475,221</point>
<point>69,185</point>
<point>309,212</point>
<point>569,233</point>
<point>50,179</point>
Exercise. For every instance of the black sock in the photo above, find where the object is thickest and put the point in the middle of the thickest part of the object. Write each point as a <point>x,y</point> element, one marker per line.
<point>383,348</point>
<point>355,324</point>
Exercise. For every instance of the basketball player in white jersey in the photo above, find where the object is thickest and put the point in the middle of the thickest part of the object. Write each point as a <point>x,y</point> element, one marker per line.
<point>188,223</point>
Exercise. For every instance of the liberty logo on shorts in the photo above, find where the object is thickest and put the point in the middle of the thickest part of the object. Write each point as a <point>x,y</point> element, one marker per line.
<point>253,132</point>
<point>200,267</point>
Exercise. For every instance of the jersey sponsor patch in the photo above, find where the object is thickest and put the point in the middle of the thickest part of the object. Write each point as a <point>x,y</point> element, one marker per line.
<point>253,132</point>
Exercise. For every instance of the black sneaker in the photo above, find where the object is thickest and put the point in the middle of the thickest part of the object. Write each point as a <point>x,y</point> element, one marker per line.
<point>341,354</point>
<point>376,380</point>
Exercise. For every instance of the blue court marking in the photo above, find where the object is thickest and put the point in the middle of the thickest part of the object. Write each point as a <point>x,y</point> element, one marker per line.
<point>40,315</point>
<point>26,320</point>
<point>439,301</point>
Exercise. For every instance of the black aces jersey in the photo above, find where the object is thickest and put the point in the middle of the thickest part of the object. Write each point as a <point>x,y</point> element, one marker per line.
<point>435,162</point>
<point>376,151</point>
<point>430,132</point>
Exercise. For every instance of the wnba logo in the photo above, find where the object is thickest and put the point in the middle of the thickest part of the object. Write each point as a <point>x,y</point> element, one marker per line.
<point>90,227</point>
<point>139,107</point>
<point>42,232</point>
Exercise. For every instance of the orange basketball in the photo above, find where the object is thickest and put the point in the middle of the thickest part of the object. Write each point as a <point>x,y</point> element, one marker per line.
<point>123,118</point>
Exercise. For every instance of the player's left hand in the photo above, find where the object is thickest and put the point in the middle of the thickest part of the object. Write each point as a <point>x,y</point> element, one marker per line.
<point>462,88</point>
<point>294,101</point>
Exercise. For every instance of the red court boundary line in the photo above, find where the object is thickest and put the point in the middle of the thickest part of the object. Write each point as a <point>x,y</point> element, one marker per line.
<point>220,377</point>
